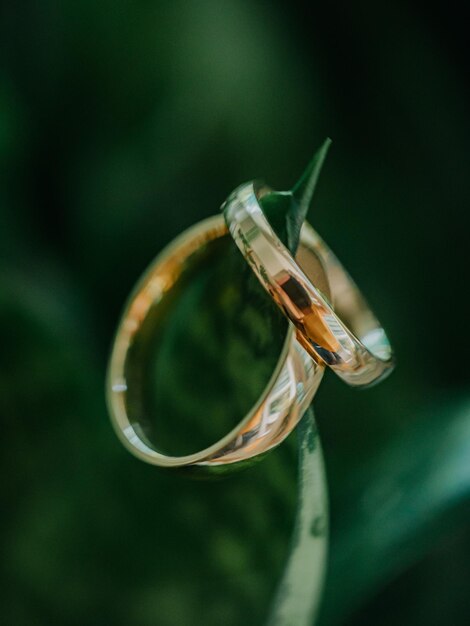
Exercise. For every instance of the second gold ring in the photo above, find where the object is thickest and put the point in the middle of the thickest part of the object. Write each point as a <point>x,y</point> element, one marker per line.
<point>349,339</point>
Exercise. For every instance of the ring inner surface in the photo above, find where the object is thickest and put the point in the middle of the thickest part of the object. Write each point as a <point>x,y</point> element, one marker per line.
<point>355,312</point>
<point>348,302</point>
<point>203,353</point>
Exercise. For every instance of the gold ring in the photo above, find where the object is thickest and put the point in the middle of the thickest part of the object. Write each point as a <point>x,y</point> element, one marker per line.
<point>352,342</point>
<point>285,399</point>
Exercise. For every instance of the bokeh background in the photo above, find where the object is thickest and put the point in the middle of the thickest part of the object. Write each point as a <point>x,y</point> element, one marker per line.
<point>122,123</point>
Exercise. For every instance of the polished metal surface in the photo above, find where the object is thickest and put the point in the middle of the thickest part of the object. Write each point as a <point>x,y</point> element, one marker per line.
<point>349,339</point>
<point>280,407</point>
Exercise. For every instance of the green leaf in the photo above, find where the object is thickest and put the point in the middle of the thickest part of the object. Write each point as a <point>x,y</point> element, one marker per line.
<point>397,505</point>
<point>303,192</point>
<point>206,374</point>
<point>287,210</point>
<point>299,593</point>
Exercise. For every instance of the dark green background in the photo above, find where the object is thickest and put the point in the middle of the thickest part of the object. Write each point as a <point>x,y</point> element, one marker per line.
<point>122,123</point>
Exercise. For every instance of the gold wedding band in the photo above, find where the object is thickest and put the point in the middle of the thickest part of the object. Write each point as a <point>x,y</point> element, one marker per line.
<point>285,399</point>
<point>349,339</point>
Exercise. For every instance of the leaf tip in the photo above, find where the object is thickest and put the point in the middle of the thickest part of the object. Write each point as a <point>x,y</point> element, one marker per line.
<point>304,188</point>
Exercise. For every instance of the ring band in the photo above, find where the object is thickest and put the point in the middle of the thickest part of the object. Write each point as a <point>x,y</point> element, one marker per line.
<point>285,399</point>
<point>357,349</point>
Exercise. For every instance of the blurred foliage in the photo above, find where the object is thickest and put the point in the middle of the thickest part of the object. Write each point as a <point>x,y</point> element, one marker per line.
<point>120,125</point>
